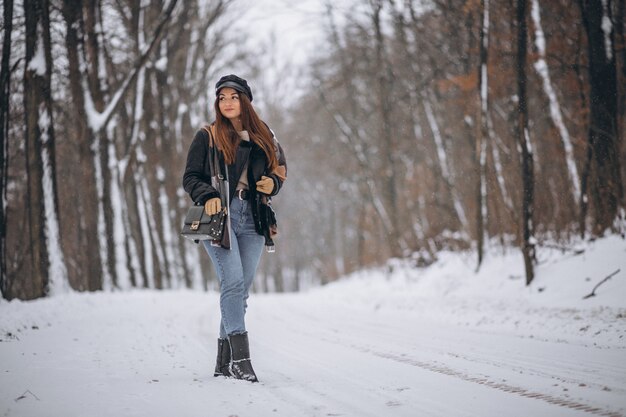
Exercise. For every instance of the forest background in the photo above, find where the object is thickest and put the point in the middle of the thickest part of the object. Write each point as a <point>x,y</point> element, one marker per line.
<point>411,127</point>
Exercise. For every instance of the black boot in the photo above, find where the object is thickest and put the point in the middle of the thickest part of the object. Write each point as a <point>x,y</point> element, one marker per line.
<point>222,364</point>
<point>241,367</point>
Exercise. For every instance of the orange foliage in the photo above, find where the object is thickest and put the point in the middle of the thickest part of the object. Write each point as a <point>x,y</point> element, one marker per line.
<point>470,6</point>
<point>465,82</point>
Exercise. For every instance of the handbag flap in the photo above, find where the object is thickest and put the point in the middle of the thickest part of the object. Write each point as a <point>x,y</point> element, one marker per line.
<point>194,214</point>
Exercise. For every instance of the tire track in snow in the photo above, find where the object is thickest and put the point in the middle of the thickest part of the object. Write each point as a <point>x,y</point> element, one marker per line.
<point>493,384</point>
<point>560,369</point>
<point>541,370</point>
<point>445,370</point>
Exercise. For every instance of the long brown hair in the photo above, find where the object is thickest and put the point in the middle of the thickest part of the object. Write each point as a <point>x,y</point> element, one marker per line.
<point>227,138</point>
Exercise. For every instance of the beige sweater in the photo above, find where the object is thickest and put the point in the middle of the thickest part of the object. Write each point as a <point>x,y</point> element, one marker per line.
<point>243,180</point>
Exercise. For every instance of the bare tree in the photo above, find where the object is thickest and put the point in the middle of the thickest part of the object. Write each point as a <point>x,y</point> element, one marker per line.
<point>523,137</point>
<point>482,132</point>
<point>556,114</point>
<point>620,50</point>
<point>89,273</point>
<point>602,176</point>
<point>354,137</point>
<point>92,116</point>
<point>5,89</point>
<point>49,272</point>
<point>387,132</point>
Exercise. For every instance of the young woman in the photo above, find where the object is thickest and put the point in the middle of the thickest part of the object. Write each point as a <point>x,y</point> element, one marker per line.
<point>253,165</point>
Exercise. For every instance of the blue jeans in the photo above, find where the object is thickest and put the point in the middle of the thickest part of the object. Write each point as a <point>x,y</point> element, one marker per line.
<point>236,267</point>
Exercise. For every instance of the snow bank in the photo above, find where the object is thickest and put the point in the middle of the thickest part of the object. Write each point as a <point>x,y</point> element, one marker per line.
<point>496,297</point>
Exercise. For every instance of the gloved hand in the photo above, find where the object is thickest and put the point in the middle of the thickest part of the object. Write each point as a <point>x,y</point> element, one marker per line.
<point>265,185</point>
<point>213,206</point>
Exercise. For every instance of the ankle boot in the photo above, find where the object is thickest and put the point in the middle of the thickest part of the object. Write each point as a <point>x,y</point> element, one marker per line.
<point>241,367</point>
<point>222,364</point>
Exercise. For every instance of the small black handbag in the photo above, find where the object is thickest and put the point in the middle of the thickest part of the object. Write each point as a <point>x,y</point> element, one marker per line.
<point>200,226</point>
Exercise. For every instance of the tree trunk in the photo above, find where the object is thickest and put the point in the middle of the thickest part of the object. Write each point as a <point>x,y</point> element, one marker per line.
<point>90,270</point>
<point>48,267</point>
<point>5,90</point>
<point>58,271</point>
<point>586,169</point>
<point>33,98</point>
<point>605,183</point>
<point>387,135</point>
<point>542,69</point>
<point>444,167</point>
<point>482,133</point>
<point>620,50</point>
<point>528,246</point>
<point>101,143</point>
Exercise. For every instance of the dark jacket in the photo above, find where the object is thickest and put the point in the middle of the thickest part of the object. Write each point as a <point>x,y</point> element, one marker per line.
<point>197,177</point>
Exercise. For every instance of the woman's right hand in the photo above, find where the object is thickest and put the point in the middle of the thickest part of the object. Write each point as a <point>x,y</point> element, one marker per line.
<point>213,206</point>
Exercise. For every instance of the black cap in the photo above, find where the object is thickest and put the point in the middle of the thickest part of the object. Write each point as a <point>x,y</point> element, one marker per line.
<point>234,82</point>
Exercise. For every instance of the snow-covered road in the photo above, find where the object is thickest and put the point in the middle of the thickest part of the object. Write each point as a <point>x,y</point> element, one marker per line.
<point>151,354</point>
<point>396,364</point>
<point>442,341</point>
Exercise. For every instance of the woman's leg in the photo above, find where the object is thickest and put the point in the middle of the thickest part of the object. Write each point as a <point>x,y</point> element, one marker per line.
<point>250,248</point>
<point>236,267</point>
<point>229,269</point>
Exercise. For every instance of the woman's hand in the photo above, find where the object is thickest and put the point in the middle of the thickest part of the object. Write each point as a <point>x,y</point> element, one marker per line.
<point>213,206</point>
<point>265,185</point>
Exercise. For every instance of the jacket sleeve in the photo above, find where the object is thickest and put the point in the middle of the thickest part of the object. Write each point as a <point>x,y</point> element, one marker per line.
<point>197,177</point>
<point>279,174</point>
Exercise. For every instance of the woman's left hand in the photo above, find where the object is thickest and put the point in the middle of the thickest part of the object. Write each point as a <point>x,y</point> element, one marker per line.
<point>265,185</point>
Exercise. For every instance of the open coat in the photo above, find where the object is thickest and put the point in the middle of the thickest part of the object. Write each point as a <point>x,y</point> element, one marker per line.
<point>197,176</point>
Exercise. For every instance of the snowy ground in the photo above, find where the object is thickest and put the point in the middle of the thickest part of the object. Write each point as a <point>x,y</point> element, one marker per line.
<point>443,341</point>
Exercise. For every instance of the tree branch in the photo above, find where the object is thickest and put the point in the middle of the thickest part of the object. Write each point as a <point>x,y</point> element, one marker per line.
<point>117,97</point>
<point>593,292</point>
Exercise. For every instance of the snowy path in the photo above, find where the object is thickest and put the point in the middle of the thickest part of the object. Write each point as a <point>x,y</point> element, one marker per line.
<point>151,354</point>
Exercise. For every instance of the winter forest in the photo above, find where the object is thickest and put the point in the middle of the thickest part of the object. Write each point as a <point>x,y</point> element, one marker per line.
<point>452,229</point>
<point>415,126</point>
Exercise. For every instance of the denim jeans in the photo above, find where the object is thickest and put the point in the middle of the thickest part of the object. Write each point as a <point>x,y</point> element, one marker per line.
<point>236,267</point>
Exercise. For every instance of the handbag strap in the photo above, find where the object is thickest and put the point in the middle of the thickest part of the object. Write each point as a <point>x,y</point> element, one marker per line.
<point>215,166</point>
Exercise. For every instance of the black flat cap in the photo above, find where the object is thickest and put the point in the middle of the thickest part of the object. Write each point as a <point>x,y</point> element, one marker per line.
<point>237,83</point>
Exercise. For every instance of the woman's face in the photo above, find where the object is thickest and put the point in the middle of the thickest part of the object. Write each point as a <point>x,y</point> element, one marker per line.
<point>229,105</point>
